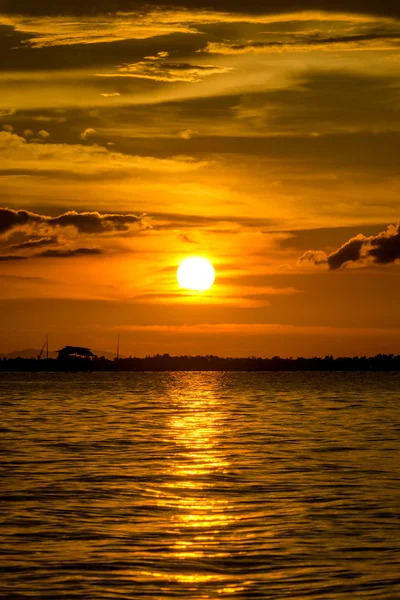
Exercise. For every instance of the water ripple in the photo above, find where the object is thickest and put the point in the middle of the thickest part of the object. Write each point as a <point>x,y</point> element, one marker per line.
<point>200,485</point>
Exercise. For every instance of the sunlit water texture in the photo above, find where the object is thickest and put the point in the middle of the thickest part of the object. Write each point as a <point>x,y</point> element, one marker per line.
<point>200,485</point>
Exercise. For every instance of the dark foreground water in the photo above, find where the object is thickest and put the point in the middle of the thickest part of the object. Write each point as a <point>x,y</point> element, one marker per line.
<point>200,485</point>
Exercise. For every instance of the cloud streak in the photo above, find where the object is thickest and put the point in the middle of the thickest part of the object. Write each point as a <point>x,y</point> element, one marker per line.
<point>62,30</point>
<point>67,253</point>
<point>85,160</point>
<point>307,43</point>
<point>256,329</point>
<point>11,257</point>
<point>166,71</point>
<point>34,243</point>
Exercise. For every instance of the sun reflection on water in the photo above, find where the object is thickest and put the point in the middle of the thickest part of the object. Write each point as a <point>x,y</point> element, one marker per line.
<point>199,486</point>
<point>197,466</point>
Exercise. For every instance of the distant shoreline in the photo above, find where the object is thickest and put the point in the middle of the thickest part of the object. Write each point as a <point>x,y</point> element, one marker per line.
<point>165,362</point>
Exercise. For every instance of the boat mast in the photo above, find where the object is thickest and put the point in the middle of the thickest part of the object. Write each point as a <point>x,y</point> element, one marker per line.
<point>47,347</point>
<point>118,348</point>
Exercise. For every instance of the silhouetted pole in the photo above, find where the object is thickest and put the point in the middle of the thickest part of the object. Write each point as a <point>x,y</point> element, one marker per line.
<point>47,347</point>
<point>118,348</point>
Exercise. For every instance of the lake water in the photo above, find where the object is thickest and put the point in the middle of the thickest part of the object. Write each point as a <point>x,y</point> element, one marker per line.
<point>200,485</point>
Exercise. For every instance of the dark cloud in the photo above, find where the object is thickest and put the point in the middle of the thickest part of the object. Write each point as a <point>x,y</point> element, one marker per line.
<point>327,102</point>
<point>10,257</point>
<point>176,220</point>
<point>13,218</point>
<point>96,7</point>
<point>376,152</point>
<point>85,222</point>
<point>35,243</point>
<point>301,41</point>
<point>303,239</point>
<point>167,71</point>
<point>95,56</point>
<point>186,239</point>
<point>383,248</point>
<point>349,252</point>
<point>386,246</point>
<point>94,222</point>
<point>61,253</point>
<point>25,279</point>
<point>330,103</point>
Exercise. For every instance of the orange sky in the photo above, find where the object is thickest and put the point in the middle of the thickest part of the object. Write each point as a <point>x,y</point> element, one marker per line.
<point>132,137</point>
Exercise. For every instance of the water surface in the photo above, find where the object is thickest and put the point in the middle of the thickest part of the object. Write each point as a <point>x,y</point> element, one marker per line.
<point>200,485</point>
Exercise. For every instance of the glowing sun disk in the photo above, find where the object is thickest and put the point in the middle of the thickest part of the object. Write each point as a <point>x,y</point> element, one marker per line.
<point>195,273</point>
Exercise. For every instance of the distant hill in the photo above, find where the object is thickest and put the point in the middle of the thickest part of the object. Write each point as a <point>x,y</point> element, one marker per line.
<point>34,353</point>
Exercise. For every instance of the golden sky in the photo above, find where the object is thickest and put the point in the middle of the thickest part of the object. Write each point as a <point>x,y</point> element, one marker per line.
<point>263,138</point>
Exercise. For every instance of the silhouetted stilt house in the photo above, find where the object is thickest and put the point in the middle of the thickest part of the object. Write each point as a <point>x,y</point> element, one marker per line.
<point>75,352</point>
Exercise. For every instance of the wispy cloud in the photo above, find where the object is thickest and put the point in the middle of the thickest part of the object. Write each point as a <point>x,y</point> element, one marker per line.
<point>166,71</point>
<point>256,329</point>
<point>88,133</point>
<point>68,30</point>
<point>11,257</point>
<point>59,30</point>
<point>33,244</point>
<point>308,43</point>
<point>69,253</point>
<point>18,154</point>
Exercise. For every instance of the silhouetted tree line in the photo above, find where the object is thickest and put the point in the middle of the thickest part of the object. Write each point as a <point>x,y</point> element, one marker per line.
<point>165,362</point>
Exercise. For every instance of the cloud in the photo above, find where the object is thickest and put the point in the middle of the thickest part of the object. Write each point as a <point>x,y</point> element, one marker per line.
<point>66,253</point>
<point>48,119</point>
<point>167,72</point>
<point>167,220</point>
<point>326,101</point>
<point>110,95</point>
<point>26,223</point>
<point>25,279</point>
<point>11,257</point>
<point>42,30</point>
<point>81,159</point>
<point>187,134</point>
<point>94,222</point>
<point>35,243</point>
<point>6,112</point>
<point>85,222</point>
<point>313,257</point>
<point>385,248</point>
<point>14,218</point>
<point>43,134</point>
<point>56,253</point>
<point>89,132</point>
<point>349,252</point>
<point>360,250</point>
<point>158,56</point>
<point>257,329</point>
<point>307,43</point>
<point>183,237</point>
<point>8,128</point>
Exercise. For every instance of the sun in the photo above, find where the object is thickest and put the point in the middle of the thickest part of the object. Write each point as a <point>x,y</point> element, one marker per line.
<point>195,273</point>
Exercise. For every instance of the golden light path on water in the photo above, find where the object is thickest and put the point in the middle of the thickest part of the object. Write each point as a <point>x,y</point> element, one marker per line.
<point>199,514</point>
<point>199,486</point>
